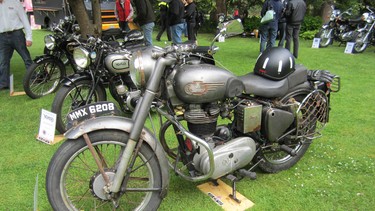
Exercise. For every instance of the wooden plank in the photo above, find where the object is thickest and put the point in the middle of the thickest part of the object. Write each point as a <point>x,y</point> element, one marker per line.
<point>220,195</point>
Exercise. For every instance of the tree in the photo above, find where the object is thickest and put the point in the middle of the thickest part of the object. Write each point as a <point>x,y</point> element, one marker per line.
<point>87,26</point>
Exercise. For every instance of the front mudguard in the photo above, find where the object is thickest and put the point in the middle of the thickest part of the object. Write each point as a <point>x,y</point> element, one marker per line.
<point>71,80</point>
<point>124,124</point>
<point>41,58</point>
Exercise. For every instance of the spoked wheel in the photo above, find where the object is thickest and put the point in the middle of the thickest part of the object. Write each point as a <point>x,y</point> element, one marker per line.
<point>74,182</point>
<point>75,96</point>
<point>325,38</point>
<point>361,43</point>
<point>274,158</point>
<point>43,78</point>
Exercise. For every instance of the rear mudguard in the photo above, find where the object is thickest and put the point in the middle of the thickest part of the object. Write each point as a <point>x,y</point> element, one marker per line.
<point>124,124</point>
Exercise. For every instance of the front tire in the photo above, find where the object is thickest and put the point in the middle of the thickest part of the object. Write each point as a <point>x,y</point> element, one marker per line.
<point>73,181</point>
<point>325,38</point>
<point>69,98</point>
<point>276,160</point>
<point>43,78</point>
<point>361,43</point>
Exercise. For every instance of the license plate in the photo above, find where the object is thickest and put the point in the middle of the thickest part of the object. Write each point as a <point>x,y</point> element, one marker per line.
<point>89,111</point>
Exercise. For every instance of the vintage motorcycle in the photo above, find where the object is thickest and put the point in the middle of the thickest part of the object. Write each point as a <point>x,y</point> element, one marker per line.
<point>45,74</point>
<point>365,36</point>
<point>340,28</point>
<point>214,125</point>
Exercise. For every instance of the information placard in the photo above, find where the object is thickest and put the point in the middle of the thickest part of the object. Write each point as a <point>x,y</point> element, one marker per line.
<point>47,127</point>
<point>316,43</point>
<point>349,47</point>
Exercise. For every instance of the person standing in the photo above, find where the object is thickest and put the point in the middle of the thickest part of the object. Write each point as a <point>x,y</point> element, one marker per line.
<point>124,13</point>
<point>175,16</point>
<point>190,13</point>
<point>268,31</point>
<point>295,13</point>
<point>145,18</point>
<point>13,21</point>
<point>282,24</point>
<point>164,25</point>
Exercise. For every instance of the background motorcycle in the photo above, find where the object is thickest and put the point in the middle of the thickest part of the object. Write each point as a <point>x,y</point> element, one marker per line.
<point>365,36</point>
<point>339,28</point>
<point>44,75</point>
<point>105,64</point>
<point>119,163</point>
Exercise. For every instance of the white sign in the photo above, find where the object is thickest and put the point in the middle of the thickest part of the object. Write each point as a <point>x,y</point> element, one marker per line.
<point>221,38</point>
<point>316,43</point>
<point>47,127</point>
<point>349,47</point>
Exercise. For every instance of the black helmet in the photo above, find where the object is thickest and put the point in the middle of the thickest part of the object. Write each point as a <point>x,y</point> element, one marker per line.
<point>275,63</point>
<point>134,35</point>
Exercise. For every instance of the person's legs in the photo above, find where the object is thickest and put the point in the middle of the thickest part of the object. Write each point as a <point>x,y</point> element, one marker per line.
<point>19,44</point>
<point>176,31</point>
<point>147,31</point>
<point>282,31</point>
<point>6,52</point>
<point>272,36</point>
<point>263,37</point>
<point>289,31</point>
<point>296,30</point>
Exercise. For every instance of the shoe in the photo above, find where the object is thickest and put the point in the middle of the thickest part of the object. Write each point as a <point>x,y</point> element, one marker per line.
<point>157,39</point>
<point>4,88</point>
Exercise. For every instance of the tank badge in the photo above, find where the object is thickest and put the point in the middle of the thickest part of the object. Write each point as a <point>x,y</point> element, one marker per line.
<point>200,88</point>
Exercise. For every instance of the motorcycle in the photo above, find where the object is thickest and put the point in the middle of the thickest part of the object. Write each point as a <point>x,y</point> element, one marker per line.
<point>339,28</point>
<point>105,64</point>
<point>366,35</point>
<point>112,162</point>
<point>45,74</point>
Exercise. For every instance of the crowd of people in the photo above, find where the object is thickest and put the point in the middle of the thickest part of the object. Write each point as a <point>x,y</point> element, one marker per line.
<point>289,15</point>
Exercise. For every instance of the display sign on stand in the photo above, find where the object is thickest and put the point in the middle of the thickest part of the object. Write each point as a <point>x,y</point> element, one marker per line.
<point>316,43</point>
<point>11,88</point>
<point>349,47</point>
<point>47,127</point>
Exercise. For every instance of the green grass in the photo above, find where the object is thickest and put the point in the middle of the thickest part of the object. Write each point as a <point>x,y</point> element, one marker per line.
<point>337,173</point>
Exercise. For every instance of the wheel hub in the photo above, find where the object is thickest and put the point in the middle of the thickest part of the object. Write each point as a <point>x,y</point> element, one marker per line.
<point>97,184</point>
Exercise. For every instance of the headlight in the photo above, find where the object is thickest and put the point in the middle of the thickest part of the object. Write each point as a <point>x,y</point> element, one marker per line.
<point>81,57</point>
<point>221,18</point>
<point>50,42</point>
<point>142,65</point>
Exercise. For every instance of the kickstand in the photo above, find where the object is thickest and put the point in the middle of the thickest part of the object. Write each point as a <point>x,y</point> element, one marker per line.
<point>233,195</point>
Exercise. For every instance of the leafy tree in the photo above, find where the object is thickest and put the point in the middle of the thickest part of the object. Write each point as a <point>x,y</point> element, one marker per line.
<point>87,26</point>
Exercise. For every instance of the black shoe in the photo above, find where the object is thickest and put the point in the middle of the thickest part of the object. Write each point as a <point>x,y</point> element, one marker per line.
<point>158,39</point>
<point>4,88</point>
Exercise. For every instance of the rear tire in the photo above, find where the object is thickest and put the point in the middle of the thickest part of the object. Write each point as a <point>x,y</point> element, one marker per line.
<point>43,78</point>
<point>276,160</point>
<point>73,181</point>
<point>69,98</point>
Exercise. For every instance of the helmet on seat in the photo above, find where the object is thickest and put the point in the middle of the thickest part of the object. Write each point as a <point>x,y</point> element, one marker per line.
<point>275,63</point>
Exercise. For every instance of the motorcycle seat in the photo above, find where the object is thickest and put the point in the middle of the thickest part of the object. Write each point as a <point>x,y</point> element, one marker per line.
<point>260,86</point>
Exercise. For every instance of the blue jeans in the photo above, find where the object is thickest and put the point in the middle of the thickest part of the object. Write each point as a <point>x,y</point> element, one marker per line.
<point>8,43</point>
<point>176,32</point>
<point>268,34</point>
<point>147,31</point>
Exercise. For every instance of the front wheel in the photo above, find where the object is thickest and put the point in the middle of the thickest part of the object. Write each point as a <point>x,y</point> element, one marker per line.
<point>43,78</point>
<point>325,38</point>
<point>361,42</point>
<point>69,98</point>
<point>74,182</point>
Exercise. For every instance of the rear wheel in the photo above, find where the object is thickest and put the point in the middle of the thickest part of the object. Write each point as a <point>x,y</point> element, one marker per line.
<point>73,180</point>
<point>43,78</point>
<point>69,98</point>
<point>361,43</point>
<point>274,158</point>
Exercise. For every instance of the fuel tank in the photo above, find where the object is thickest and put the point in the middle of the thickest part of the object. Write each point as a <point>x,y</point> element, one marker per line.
<point>203,83</point>
<point>118,62</point>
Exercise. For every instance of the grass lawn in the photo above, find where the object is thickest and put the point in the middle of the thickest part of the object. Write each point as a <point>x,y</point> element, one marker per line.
<point>337,173</point>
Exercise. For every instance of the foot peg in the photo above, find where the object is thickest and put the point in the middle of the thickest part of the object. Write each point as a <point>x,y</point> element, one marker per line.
<point>288,150</point>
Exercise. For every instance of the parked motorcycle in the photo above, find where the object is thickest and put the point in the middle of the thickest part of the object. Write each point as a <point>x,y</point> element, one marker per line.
<point>365,36</point>
<point>340,28</point>
<point>114,162</point>
<point>44,75</point>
